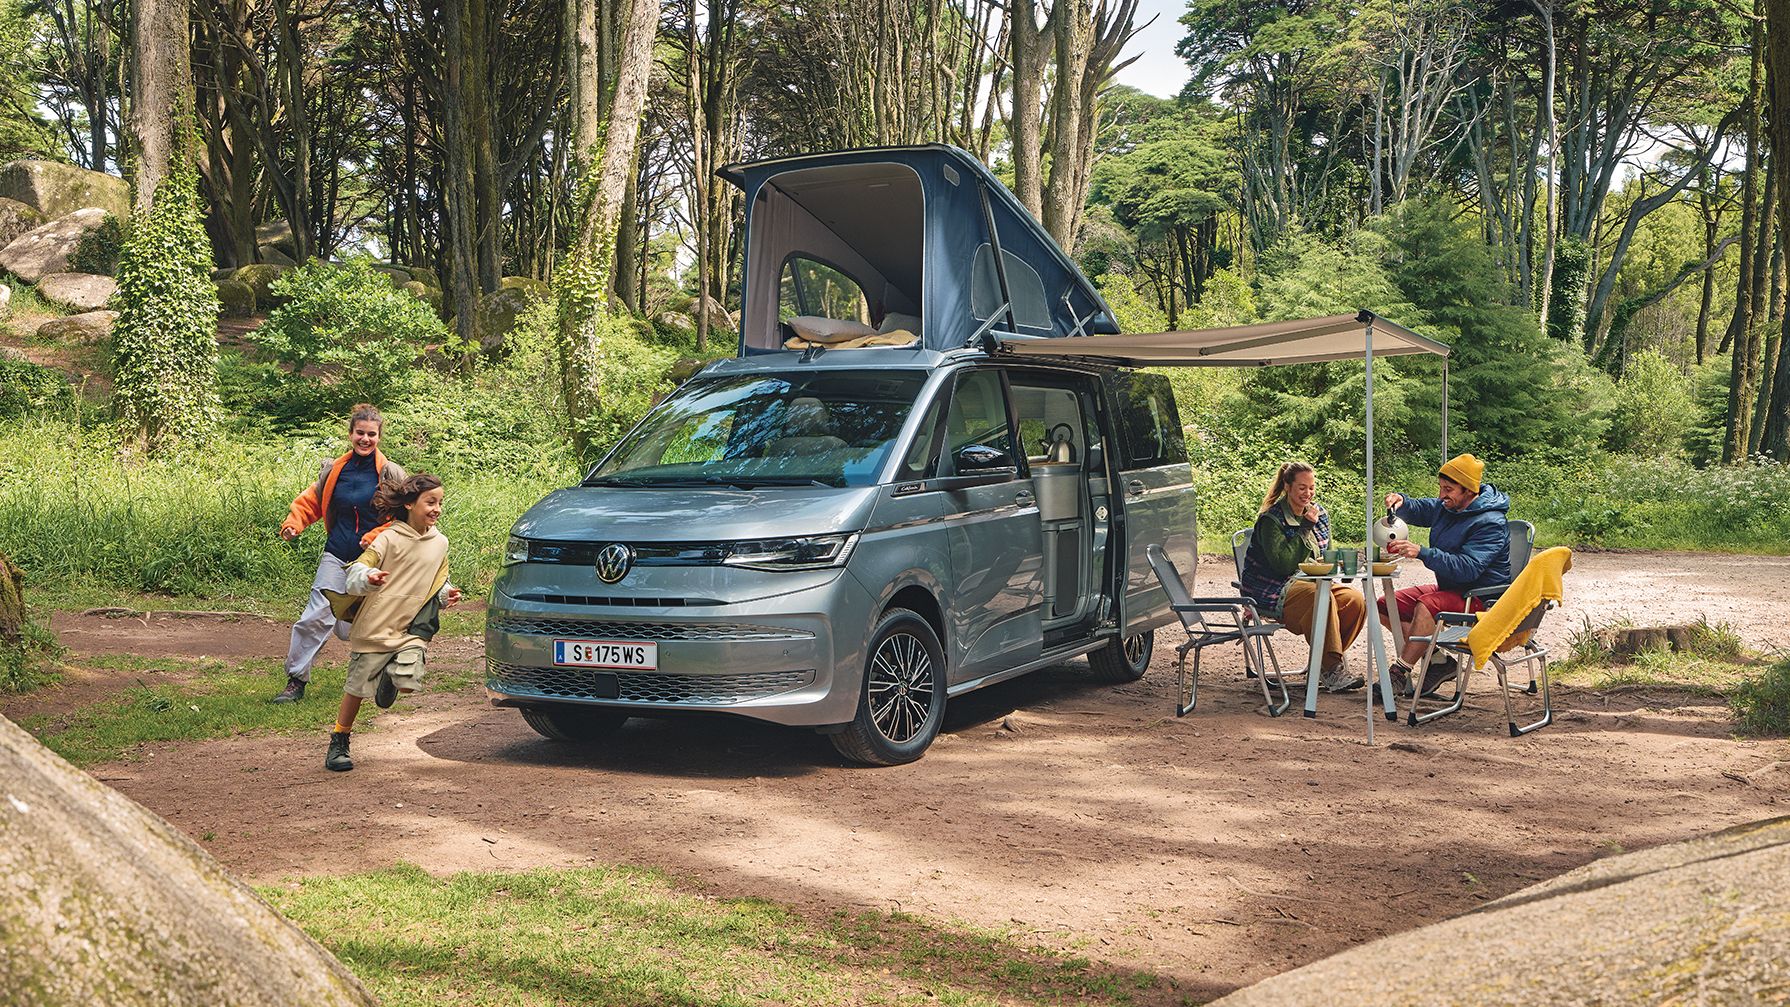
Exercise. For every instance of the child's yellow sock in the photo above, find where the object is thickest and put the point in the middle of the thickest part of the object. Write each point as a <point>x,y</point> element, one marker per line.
<point>342,729</point>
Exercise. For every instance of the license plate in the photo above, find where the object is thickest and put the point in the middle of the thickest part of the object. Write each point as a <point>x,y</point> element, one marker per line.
<point>606,654</point>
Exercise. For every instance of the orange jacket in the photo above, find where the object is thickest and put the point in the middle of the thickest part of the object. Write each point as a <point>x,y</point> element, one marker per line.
<point>312,503</point>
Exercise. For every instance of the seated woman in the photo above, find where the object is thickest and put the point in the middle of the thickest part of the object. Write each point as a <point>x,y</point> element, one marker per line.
<point>1291,529</point>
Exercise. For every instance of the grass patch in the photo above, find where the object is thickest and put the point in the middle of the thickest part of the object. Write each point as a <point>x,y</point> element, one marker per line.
<point>1762,703</point>
<point>1715,663</point>
<point>624,936</point>
<point>32,662</point>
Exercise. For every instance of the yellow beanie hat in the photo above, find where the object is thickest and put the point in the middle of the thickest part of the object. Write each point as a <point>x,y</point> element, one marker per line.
<point>1464,471</point>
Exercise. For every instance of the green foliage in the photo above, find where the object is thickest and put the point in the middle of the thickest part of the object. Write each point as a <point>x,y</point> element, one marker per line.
<point>23,131</point>
<point>1511,389</point>
<point>1654,407</point>
<point>1707,424</point>
<point>27,388</point>
<point>347,334</point>
<point>1762,703</point>
<point>30,663</point>
<point>165,338</point>
<point>1654,503</point>
<point>1228,301</point>
<point>1131,310</point>
<point>99,249</point>
<point>1566,303</point>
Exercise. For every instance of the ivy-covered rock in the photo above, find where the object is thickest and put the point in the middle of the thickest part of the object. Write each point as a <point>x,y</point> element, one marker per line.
<point>260,277</point>
<point>16,218</point>
<point>47,249</point>
<point>236,299</point>
<point>498,311</point>
<point>55,189</point>
<point>86,329</point>
<point>80,291</point>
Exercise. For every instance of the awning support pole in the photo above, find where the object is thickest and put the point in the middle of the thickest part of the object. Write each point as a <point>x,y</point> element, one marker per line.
<point>1378,670</point>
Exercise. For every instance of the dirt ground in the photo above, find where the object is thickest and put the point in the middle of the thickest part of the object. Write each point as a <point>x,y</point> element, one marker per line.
<point>1215,850</point>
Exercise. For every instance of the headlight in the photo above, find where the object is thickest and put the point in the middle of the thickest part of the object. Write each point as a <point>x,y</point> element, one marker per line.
<point>810,552</point>
<point>515,550</point>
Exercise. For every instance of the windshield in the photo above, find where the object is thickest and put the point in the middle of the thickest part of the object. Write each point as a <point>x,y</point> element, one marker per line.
<point>829,428</point>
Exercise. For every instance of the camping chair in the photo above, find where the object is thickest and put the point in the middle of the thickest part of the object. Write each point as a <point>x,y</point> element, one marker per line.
<point>1522,548</point>
<point>1451,637</point>
<point>1218,620</point>
<point>1240,540</point>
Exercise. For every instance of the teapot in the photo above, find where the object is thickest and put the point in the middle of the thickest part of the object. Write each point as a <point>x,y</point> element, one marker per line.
<point>1389,529</point>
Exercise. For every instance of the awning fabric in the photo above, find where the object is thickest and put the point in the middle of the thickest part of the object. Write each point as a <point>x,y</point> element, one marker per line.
<point>1301,341</point>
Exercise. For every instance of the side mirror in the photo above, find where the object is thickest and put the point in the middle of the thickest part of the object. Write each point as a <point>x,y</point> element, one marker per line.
<point>980,459</point>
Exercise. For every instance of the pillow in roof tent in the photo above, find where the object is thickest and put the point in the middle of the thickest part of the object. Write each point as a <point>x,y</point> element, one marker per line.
<point>896,320</point>
<point>817,329</point>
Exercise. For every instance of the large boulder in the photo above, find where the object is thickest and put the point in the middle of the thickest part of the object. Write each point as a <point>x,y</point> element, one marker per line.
<point>260,276</point>
<point>498,311</point>
<point>236,299</point>
<point>86,328</point>
<point>46,249</point>
<point>271,255</point>
<point>56,190</point>
<point>426,275</point>
<point>16,218</point>
<point>1702,921</point>
<point>523,283</point>
<point>277,233</point>
<point>423,292</point>
<point>81,291</point>
<point>103,902</point>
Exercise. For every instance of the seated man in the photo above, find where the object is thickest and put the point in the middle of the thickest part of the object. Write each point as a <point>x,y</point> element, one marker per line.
<point>1469,549</point>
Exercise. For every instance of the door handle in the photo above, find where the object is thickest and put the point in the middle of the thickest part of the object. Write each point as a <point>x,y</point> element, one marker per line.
<point>1024,498</point>
<point>1134,488</point>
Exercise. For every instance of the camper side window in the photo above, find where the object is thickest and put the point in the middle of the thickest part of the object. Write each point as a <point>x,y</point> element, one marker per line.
<point>811,287</point>
<point>1152,427</point>
<point>1030,309</point>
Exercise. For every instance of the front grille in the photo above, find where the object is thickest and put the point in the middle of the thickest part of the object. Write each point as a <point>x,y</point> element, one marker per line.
<point>616,601</point>
<point>715,632</point>
<point>641,686</point>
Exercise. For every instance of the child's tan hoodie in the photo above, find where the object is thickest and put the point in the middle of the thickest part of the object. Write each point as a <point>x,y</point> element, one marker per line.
<point>405,611</point>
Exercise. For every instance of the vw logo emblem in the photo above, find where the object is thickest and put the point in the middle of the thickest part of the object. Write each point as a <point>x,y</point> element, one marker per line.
<point>613,562</point>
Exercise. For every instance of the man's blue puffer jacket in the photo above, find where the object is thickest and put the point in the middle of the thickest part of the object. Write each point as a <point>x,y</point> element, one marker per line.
<point>1469,548</point>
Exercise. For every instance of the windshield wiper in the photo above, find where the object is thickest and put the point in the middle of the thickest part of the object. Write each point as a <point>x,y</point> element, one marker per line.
<point>737,482</point>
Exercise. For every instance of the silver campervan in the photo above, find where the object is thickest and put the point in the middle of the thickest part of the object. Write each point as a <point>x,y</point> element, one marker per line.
<point>873,507</point>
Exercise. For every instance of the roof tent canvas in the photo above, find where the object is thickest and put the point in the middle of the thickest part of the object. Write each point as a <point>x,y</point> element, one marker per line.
<point>911,225</point>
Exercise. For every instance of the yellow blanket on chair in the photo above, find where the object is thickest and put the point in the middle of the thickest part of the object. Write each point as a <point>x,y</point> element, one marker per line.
<point>1539,582</point>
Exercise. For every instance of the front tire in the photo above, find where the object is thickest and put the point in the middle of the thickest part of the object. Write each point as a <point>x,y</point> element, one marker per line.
<point>902,704</point>
<point>1124,659</point>
<point>576,724</point>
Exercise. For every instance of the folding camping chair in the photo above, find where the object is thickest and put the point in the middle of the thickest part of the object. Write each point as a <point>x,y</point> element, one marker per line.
<point>1452,630</point>
<point>1522,548</point>
<point>1218,620</point>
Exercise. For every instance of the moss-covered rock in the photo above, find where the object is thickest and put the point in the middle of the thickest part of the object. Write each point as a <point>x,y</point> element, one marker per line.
<point>260,276</point>
<point>423,292</point>
<point>271,255</point>
<point>86,329</point>
<point>236,299</point>
<point>397,274</point>
<point>47,249</point>
<point>523,283</point>
<point>55,189</point>
<point>426,275</point>
<point>278,234</point>
<point>16,218</point>
<point>498,311</point>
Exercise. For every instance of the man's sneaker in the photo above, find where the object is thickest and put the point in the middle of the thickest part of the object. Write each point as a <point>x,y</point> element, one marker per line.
<point>1440,673</point>
<point>1340,679</point>
<point>386,692</point>
<point>294,691</point>
<point>1401,680</point>
<point>336,759</point>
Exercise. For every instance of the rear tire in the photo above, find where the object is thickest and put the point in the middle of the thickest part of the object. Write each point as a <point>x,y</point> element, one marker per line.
<point>902,703</point>
<point>1124,659</point>
<point>578,725</point>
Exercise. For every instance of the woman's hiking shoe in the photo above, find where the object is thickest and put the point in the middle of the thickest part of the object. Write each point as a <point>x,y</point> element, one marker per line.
<point>294,691</point>
<point>336,759</point>
<point>386,692</point>
<point>1340,679</point>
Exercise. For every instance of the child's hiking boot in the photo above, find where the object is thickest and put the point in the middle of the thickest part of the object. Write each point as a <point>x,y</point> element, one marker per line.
<point>386,692</point>
<point>294,691</point>
<point>336,759</point>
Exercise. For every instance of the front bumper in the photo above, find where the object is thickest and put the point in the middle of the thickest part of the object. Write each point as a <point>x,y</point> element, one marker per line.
<point>777,659</point>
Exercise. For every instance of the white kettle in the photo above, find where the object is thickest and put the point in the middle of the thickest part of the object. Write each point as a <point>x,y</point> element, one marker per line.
<point>1389,529</point>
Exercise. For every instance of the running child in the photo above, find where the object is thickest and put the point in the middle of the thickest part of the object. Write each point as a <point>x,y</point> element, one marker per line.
<point>395,593</point>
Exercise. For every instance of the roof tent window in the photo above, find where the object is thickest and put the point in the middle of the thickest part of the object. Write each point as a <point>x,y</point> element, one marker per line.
<point>810,287</point>
<point>1030,309</point>
<point>818,232</point>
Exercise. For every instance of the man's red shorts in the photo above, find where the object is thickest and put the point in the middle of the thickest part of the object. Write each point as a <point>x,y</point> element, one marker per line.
<point>1431,597</point>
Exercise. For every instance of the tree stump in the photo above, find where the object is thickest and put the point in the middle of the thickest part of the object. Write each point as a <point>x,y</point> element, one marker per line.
<point>12,603</point>
<point>103,902</point>
<point>1627,641</point>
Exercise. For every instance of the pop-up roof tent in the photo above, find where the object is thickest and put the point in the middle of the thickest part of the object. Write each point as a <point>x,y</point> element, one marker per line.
<point>915,230</point>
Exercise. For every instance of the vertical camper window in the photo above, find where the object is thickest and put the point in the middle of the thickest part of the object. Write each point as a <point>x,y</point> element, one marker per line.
<point>811,287</point>
<point>1030,309</point>
<point>1152,427</point>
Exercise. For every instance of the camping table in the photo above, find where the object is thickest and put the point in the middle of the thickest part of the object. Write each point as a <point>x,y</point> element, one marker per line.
<point>1377,662</point>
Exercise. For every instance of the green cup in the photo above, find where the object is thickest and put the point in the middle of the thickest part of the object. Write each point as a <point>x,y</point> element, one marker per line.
<point>1349,557</point>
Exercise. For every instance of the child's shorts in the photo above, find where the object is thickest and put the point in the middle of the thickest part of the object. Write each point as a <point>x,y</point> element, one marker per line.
<point>405,666</point>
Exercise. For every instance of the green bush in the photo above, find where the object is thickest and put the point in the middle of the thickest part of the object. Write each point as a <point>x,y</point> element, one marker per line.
<point>29,663</point>
<point>1654,407</point>
<point>26,387</point>
<point>348,333</point>
<point>99,249</point>
<point>1762,704</point>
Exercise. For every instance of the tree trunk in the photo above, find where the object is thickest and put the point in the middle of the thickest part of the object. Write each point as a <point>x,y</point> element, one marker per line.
<point>12,603</point>
<point>1775,435</point>
<point>1028,108</point>
<point>460,196</point>
<point>163,97</point>
<point>1546,13</point>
